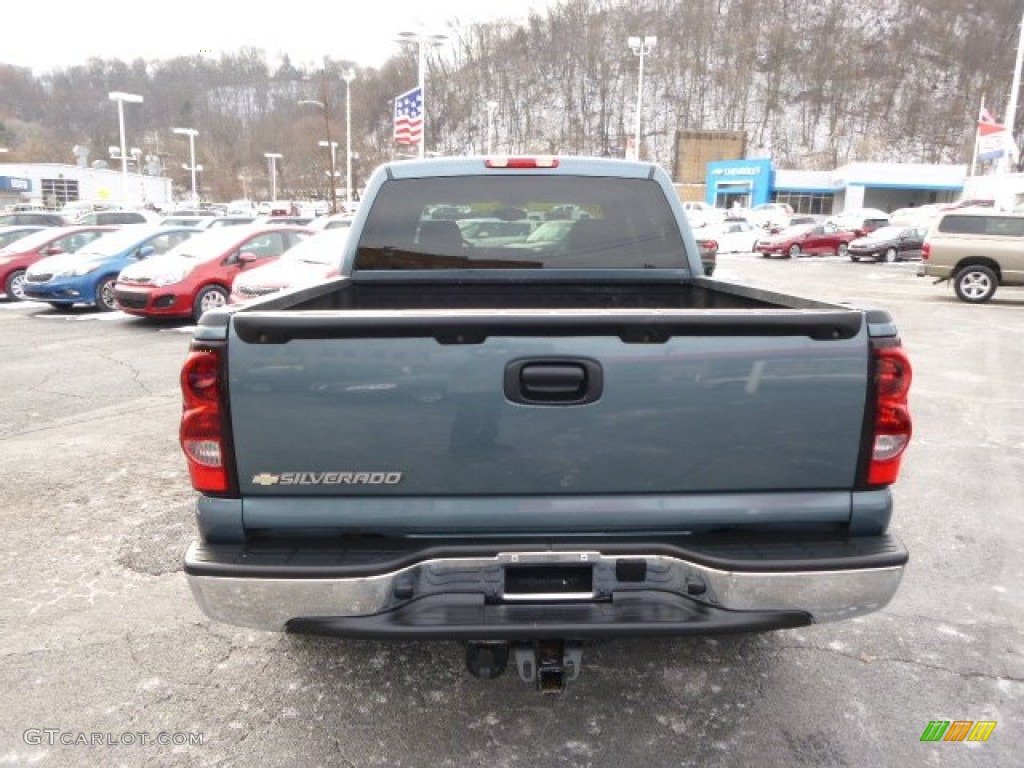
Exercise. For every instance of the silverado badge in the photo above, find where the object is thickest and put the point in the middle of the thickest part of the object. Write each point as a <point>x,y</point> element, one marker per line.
<point>327,478</point>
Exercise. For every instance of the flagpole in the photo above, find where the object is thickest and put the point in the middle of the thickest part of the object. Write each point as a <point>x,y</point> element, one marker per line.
<point>1011,108</point>
<point>974,157</point>
<point>422,39</point>
<point>423,96</point>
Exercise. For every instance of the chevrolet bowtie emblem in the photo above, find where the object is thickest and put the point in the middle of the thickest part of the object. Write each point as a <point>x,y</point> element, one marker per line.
<point>265,478</point>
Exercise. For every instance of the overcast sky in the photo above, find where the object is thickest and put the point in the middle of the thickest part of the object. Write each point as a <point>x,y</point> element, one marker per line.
<point>61,33</point>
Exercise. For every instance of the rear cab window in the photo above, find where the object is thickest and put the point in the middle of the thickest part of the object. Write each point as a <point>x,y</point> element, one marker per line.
<point>546,223</point>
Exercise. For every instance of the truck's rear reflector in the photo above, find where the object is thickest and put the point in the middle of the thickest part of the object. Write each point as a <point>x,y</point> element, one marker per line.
<point>521,162</point>
<point>202,432</point>
<point>892,426</point>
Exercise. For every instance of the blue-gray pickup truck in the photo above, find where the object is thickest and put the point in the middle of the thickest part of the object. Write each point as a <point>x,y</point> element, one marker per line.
<point>530,443</point>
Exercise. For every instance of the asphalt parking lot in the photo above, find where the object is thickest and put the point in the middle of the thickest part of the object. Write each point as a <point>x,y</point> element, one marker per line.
<point>108,662</point>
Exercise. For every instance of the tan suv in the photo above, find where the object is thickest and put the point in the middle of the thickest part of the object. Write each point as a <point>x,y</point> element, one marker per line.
<point>978,251</point>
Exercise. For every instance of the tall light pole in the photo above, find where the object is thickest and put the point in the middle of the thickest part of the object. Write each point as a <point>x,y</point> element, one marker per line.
<point>492,107</point>
<point>1006,161</point>
<point>640,46</point>
<point>422,40</point>
<point>191,133</point>
<point>333,147</point>
<point>273,157</point>
<point>325,106</point>
<point>121,97</point>
<point>328,143</point>
<point>348,76</point>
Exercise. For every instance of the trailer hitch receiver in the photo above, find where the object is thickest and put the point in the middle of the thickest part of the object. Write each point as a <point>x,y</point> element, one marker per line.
<point>549,664</point>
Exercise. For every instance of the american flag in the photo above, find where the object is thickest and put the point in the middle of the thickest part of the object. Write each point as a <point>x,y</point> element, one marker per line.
<point>993,139</point>
<point>987,118</point>
<point>409,117</point>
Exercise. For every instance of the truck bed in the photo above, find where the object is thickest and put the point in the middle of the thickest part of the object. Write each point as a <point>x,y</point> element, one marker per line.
<point>490,291</point>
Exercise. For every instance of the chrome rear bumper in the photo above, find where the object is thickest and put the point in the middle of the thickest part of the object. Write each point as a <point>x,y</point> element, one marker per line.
<point>270,603</point>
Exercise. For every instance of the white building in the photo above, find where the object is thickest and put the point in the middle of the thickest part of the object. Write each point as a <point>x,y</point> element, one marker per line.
<point>55,184</point>
<point>886,186</point>
<point>896,185</point>
<point>1007,189</point>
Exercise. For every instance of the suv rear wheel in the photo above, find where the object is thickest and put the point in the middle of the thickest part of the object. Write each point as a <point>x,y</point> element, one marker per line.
<point>975,284</point>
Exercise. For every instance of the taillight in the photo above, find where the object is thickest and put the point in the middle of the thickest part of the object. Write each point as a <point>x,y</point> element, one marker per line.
<point>892,425</point>
<point>926,251</point>
<point>543,161</point>
<point>202,420</point>
<point>200,377</point>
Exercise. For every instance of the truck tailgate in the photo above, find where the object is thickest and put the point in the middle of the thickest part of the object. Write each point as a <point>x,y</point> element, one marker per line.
<point>528,403</point>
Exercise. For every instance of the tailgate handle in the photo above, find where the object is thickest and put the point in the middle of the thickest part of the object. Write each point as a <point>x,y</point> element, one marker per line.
<point>553,382</point>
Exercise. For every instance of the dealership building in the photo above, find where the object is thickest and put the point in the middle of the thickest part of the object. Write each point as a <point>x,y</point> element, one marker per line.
<point>750,182</point>
<point>53,185</point>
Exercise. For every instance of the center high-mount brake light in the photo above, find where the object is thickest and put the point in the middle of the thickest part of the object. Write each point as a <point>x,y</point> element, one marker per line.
<point>892,426</point>
<point>202,433</point>
<point>543,161</point>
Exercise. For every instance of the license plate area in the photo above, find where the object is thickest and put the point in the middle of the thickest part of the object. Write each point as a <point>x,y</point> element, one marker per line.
<point>549,582</point>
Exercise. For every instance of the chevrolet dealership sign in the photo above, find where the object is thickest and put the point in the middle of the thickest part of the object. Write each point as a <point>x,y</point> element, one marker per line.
<point>736,171</point>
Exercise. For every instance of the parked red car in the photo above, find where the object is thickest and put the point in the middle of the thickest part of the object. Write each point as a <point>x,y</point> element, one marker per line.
<point>197,275</point>
<point>805,240</point>
<point>311,261</point>
<point>16,258</point>
<point>708,254</point>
